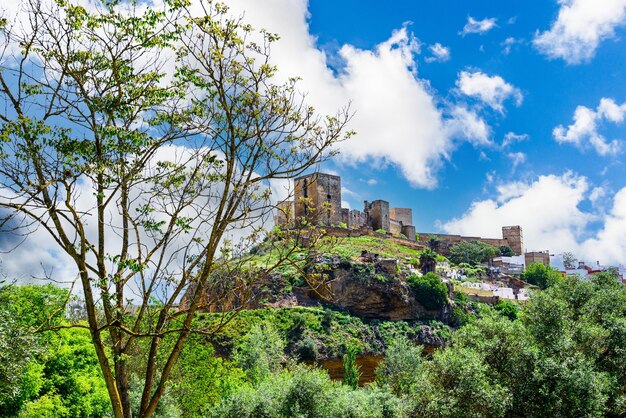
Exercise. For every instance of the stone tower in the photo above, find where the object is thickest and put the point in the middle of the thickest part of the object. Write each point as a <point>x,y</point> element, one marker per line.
<point>378,214</point>
<point>515,239</point>
<point>323,192</point>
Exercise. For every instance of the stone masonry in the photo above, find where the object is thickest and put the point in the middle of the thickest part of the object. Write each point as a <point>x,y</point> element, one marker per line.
<point>317,198</point>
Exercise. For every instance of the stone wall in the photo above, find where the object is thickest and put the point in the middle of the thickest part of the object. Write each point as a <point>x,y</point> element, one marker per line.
<point>285,213</point>
<point>395,227</point>
<point>447,240</point>
<point>542,257</point>
<point>367,231</point>
<point>401,215</point>
<point>514,237</point>
<point>409,232</point>
<point>322,192</point>
<point>378,214</point>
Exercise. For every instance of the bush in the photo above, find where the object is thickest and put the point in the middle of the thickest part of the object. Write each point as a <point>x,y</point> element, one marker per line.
<point>260,352</point>
<point>429,291</point>
<point>381,231</point>
<point>306,349</point>
<point>508,309</point>
<point>541,275</point>
<point>309,393</point>
<point>472,253</point>
<point>351,373</point>
<point>460,317</point>
<point>402,368</point>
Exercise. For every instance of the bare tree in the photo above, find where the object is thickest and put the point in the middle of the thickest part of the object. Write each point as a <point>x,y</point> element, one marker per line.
<point>140,139</point>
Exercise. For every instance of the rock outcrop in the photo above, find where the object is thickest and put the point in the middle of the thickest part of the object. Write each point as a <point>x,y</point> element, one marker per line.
<point>374,293</point>
<point>372,288</point>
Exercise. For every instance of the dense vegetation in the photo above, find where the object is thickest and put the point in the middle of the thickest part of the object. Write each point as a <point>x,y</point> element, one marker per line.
<point>562,354</point>
<point>473,252</point>
<point>541,275</point>
<point>429,290</point>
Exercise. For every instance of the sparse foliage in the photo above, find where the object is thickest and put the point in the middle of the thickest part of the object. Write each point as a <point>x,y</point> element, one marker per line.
<point>569,260</point>
<point>139,139</point>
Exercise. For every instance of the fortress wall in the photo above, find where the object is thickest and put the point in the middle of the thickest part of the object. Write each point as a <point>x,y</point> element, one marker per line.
<point>401,215</point>
<point>285,213</point>
<point>395,227</point>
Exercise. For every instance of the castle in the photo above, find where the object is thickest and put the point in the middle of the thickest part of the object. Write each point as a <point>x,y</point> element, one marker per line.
<point>317,198</point>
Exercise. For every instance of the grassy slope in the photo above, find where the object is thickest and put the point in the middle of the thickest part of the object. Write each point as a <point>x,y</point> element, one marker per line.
<point>351,247</point>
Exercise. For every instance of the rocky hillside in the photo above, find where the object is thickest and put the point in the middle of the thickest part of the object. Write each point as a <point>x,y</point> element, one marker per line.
<point>365,276</point>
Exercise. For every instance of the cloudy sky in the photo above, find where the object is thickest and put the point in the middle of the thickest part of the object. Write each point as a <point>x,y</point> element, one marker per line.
<point>475,114</point>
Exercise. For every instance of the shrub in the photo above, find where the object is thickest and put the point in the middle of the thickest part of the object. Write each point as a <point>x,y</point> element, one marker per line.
<point>429,290</point>
<point>508,309</point>
<point>342,225</point>
<point>260,352</point>
<point>540,275</point>
<point>473,252</point>
<point>309,393</point>
<point>351,373</point>
<point>381,231</point>
<point>460,317</point>
<point>402,368</point>
<point>306,349</point>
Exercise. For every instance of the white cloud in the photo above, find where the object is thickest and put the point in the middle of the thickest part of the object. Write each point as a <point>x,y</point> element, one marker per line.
<point>399,119</point>
<point>516,158</point>
<point>491,90</point>
<point>597,196</point>
<point>439,53</point>
<point>348,192</point>
<point>511,138</point>
<point>579,28</point>
<point>609,245</point>
<point>371,182</point>
<point>549,211</point>
<point>478,26</point>
<point>584,131</point>
<point>508,44</point>
<point>468,125</point>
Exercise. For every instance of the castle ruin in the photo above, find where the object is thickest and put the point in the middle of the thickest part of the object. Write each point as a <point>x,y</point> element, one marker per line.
<point>317,198</point>
<point>512,237</point>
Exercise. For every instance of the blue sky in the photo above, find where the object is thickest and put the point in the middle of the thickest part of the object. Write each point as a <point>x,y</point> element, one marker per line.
<point>552,89</point>
<point>475,114</point>
<point>515,108</point>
